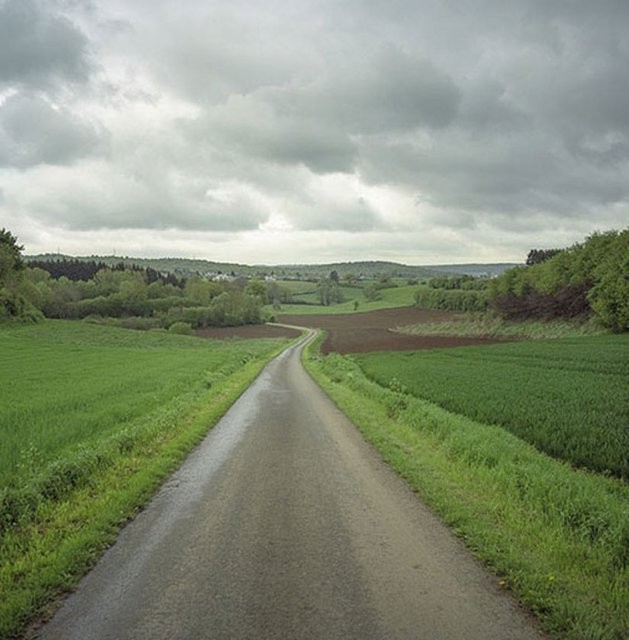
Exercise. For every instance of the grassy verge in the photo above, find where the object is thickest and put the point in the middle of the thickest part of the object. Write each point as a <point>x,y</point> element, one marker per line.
<point>558,537</point>
<point>488,325</point>
<point>59,513</point>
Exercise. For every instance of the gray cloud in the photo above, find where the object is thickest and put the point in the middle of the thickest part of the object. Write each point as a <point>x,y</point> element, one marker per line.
<point>500,119</point>
<point>32,132</point>
<point>39,47</point>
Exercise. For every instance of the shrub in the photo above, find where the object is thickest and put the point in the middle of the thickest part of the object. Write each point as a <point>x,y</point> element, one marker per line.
<point>181,328</point>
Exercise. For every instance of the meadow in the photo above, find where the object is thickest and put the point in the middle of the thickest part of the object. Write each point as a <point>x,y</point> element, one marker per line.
<point>354,301</point>
<point>555,535</point>
<point>92,418</point>
<point>567,397</point>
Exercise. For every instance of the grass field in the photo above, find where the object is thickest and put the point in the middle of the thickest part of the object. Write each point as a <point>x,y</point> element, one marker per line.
<point>91,419</point>
<point>557,536</point>
<point>568,397</point>
<point>394,297</point>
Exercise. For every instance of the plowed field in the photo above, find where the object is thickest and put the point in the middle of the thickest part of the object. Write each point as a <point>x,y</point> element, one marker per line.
<point>356,332</point>
<point>373,330</point>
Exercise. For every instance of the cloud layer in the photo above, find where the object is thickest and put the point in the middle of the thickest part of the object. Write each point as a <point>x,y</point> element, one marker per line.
<point>415,130</point>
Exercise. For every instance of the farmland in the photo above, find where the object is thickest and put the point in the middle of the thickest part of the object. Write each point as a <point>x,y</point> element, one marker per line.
<point>92,418</point>
<point>567,397</point>
<point>556,535</point>
<point>353,300</point>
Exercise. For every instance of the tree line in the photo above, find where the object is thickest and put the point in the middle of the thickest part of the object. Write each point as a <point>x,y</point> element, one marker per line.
<point>589,279</point>
<point>138,297</point>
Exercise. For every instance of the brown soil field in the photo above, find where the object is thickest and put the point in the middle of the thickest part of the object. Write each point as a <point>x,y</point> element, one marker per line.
<point>355,332</point>
<point>373,330</point>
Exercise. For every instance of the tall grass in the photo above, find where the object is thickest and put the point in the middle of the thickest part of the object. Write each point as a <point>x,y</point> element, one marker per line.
<point>567,397</point>
<point>558,537</point>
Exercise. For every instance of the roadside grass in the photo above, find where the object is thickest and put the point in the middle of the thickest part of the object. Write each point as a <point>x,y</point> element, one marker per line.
<point>568,397</point>
<point>558,537</point>
<point>491,326</point>
<point>391,298</point>
<point>80,474</point>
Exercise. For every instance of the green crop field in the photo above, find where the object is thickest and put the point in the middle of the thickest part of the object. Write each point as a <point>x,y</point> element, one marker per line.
<point>92,418</point>
<point>568,397</point>
<point>69,384</point>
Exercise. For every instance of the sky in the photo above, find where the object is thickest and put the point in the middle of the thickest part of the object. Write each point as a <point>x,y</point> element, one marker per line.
<point>294,131</point>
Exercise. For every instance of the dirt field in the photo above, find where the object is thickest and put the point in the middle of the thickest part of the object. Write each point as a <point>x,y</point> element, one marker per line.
<point>371,331</point>
<point>356,332</point>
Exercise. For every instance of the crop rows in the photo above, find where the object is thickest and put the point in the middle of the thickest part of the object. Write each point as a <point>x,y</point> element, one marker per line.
<point>567,397</point>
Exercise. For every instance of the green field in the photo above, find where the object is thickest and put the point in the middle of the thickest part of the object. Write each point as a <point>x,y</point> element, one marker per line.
<point>567,397</point>
<point>92,418</point>
<point>63,385</point>
<point>401,296</point>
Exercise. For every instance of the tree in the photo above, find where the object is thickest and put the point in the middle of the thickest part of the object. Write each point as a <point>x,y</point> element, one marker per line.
<point>537,256</point>
<point>11,262</point>
<point>13,301</point>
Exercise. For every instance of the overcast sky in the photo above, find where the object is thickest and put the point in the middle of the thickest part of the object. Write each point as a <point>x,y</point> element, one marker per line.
<point>283,131</point>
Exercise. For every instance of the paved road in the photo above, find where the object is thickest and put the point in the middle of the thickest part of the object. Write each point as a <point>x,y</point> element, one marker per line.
<point>285,524</point>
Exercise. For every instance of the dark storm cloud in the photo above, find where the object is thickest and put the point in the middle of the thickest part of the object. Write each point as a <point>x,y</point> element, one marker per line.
<point>32,132</point>
<point>39,47</point>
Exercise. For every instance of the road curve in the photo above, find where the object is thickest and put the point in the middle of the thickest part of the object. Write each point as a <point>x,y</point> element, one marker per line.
<point>283,523</point>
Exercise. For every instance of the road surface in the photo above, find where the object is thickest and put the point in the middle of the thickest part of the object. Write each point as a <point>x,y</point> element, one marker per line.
<point>283,523</point>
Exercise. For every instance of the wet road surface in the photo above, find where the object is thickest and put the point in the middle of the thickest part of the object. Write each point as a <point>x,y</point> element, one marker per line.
<point>283,523</point>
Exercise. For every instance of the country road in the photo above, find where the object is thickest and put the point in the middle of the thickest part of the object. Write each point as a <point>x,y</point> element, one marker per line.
<point>283,523</point>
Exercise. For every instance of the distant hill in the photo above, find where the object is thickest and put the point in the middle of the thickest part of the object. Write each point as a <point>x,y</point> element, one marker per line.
<point>478,270</point>
<point>366,269</point>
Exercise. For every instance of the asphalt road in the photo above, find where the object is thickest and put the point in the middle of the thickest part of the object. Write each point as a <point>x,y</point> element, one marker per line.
<point>283,523</point>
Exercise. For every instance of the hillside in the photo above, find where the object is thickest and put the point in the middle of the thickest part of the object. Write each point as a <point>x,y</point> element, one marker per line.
<point>365,269</point>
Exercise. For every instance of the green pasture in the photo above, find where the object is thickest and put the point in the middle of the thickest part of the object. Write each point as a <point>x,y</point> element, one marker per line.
<point>568,397</point>
<point>391,298</point>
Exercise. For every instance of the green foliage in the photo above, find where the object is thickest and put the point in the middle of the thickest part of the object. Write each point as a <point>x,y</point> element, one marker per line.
<point>181,328</point>
<point>466,282</point>
<point>329,291</point>
<point>451,299</point>
<point>15,294</point>
<point>558,537</point>
<point>372,291</point>
<point>587,278</point>
<point>567,397</point>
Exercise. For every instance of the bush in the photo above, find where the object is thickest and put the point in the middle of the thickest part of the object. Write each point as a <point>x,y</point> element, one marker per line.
<point>181,328</point>
<point>451,299</point>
